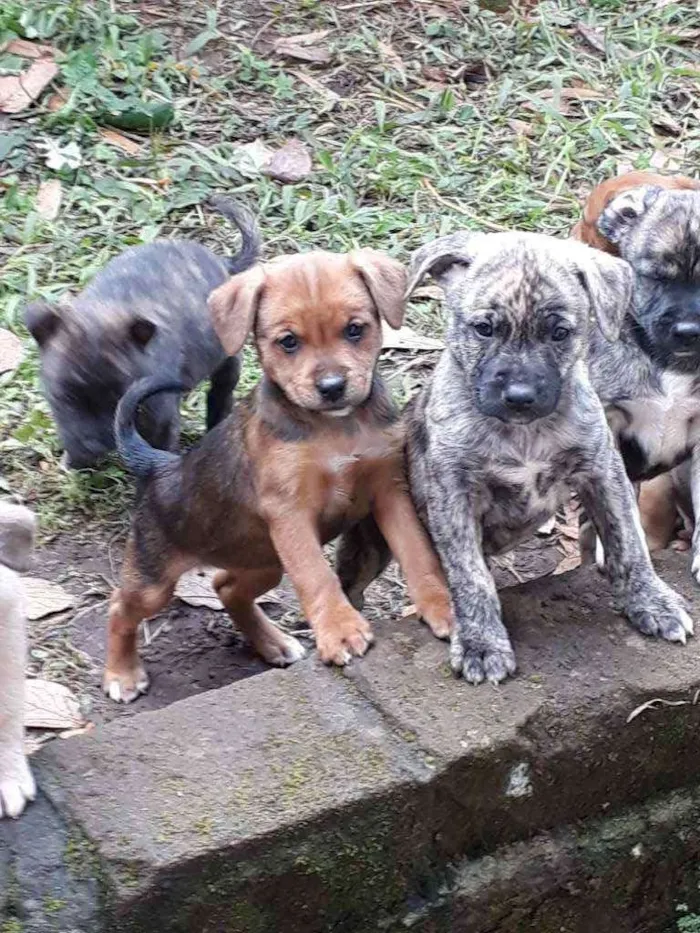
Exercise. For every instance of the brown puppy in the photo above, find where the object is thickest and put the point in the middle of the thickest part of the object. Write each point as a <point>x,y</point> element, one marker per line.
<point>315,449</point>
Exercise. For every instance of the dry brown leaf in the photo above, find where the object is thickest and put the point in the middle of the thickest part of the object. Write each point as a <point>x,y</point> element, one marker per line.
<point>45,598</point>
<point>25,49</point>
<point>573,93</point>
<point>594,37</point>
<point>391,56</point>
<point>48,199</point>
<point>407,339</point>
<point>49,705</point>
<point>11,351</point>
<point>196,589</point>
<point>57,100</point>
<point>521,127</point>
<point>665,123</point>
<point>303,47</point>
<point>290,164</point>
<point>17,92</point>
<point>409,613</point>
<point>570,562</point>
<point>475,73</point>
<point>121,142</point>
<point>429,291</point>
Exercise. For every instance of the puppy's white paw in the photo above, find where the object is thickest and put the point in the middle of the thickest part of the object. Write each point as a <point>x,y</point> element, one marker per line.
<point>125,688</point>
<point>283,651</point>
<point>695,567</point>
<point>599,554</point>
<point>17,788</point>
<point>657,610</point>
<point>477,663</point>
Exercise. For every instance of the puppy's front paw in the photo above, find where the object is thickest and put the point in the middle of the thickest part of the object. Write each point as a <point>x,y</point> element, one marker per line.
<point>17,787</point>
<point>434,609</point>
<point>342,635</point>
<point>125,686</point>
<point>485,659</point>
<point>655,609</point>
<point>282,651</point>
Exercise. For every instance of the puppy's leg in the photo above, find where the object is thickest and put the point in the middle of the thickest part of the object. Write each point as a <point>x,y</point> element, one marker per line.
<point>480,648</point>
<point>340,630</point>
<point>362,555</point>
<point>408,540</point>
<point>695,496</point>
<point>649,603</point>
<point>657,511</point>
<point>238,590</point>
<point>223,381</point>
<point>138,598</point>
<point>16,781</point>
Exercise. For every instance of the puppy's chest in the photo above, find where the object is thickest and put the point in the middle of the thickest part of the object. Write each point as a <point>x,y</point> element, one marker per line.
<point>522,495</point>
<point>660,429</point>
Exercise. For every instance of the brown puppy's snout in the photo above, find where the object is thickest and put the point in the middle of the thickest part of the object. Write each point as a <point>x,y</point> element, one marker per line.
<point>331,387</point>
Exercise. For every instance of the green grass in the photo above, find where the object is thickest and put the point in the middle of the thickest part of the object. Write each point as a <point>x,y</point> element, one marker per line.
<point>404,148</point>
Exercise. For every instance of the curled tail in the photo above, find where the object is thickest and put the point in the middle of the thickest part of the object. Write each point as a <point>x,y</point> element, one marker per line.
<point>139,457</point>
<point>248,227</point>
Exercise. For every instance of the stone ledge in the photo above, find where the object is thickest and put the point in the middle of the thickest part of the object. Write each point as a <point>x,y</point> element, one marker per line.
<point>311,800</point>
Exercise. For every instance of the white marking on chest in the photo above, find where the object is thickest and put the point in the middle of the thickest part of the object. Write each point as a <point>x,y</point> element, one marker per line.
<point>667,423</point>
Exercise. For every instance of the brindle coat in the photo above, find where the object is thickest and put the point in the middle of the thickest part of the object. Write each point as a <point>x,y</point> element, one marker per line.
<point>510,426</point>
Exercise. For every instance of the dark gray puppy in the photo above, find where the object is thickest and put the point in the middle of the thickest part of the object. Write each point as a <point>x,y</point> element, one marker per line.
<point>649,380</point>
<point>510,425</point>
<point>144,314</point>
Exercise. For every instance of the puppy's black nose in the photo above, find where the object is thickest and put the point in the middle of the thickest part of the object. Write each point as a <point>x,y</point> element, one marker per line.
<point>519,395</point>
<point>686,332</point>
<point>331,388</point>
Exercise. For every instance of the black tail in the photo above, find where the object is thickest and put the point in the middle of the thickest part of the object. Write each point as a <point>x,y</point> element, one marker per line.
<point>139,457</point>
<point>248,227</point>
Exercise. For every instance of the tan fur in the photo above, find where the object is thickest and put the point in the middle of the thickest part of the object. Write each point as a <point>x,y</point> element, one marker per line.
<point>586,229</point>
<point>295,475</point>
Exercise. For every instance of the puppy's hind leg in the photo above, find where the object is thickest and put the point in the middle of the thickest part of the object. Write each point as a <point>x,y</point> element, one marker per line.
<point>238,590</point>
<point>138,598</point>
<point>362,556</point>
<point>224,380</point>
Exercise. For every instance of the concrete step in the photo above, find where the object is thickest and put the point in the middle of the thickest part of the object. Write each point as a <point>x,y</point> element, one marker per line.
<point>317,800</point>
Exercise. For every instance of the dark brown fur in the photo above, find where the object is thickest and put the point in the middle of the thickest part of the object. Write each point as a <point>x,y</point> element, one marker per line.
<point>282,476</point>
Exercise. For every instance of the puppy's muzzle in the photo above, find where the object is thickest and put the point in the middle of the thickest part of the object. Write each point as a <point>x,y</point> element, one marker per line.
<point>331,388</point>
<point>685,335</point>
<point>519,396</point>
<point>518,393</point>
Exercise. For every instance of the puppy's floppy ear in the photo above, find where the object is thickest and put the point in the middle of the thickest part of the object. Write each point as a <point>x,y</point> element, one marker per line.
<point>233,306</point>
<point>42,321</point>
<point>609,283</point>
<point>385,279</point>
<point>623,212</point>
<point>438,256</point>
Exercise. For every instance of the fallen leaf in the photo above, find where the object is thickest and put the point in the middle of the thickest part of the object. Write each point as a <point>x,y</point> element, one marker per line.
<point>289,164</point>
<point>429,291</point>
<point>666,124</point>
<point>45,598</point>
<point>475,73</point>
<point>48,199</point>
<point>25,49</point>
<point>196,589</point>
<point>57,100</point>
<point>521,128</point>
<point>409,613</point>
<point>11,351</point>
<point>435,73</point>
<point>59,157</point>
<point>303,47</point>
<point>573,93</point>
<point>17,92</point>
<point>249,158</point>
<point>48,705</point>
<point>666,161</point>
<point>317,86</point>
<point>570,562</point>
<point>391,57</point>
<point>624,168</point>
<point>121,142</point>
<point>407,339</point>
<point>594,37</point>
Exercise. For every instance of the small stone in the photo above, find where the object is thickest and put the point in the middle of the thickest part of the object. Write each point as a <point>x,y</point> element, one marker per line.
<point>290,164</point>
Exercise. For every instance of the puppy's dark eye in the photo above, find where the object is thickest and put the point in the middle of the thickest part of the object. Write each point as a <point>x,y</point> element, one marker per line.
<point>289,343</point>
<point>354,331</point>
<point>560,333</point>
<point>484,328</point>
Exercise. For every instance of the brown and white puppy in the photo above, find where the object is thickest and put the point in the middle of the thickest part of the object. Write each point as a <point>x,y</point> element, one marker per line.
<point>649,380</point>
<point>16,539</point>
<point>317,448</point>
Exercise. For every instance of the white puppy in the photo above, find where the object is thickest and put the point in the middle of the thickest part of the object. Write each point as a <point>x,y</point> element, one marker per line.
<point>17,786</point>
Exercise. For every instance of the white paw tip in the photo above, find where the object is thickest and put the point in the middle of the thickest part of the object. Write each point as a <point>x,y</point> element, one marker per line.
<point>687,622</point>
<point>114,691</point>
<point>295,651</point>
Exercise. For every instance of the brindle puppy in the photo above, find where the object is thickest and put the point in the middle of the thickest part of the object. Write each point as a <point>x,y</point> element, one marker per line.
<point>649,380</point>
<point>510,426</point>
